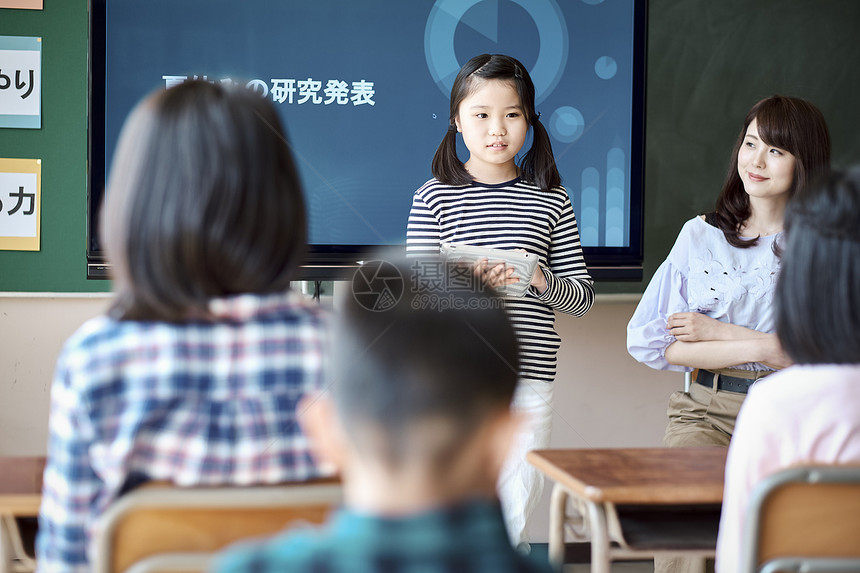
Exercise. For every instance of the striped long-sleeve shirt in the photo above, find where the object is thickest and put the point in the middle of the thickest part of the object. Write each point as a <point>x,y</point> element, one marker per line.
<point>513,215</point>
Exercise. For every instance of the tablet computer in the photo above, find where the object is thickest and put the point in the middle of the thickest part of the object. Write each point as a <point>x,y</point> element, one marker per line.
<point>524,264</point>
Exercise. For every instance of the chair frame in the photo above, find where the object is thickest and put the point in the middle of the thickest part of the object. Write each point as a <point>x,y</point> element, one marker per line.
<point>764,492</point>
<point>13,558</point>
<point>291,498</point>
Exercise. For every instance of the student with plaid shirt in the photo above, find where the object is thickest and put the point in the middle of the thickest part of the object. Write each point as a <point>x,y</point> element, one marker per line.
<point>195,373</point>
<point>419,422</point>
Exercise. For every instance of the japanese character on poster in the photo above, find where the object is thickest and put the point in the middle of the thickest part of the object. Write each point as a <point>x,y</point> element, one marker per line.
<point>20,204</point>
<point>299,92</point>
<point>21,82</point>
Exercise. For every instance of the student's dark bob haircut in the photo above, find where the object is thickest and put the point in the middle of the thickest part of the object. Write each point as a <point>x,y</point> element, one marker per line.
<point>789,123</point>
<point>538,164</point>
<point>420,355</point>
<point>817,295</point>
<point>203,201</point>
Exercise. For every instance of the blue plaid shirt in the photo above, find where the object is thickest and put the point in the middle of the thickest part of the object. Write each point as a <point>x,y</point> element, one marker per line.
<point>469,537</point>
<point>198,403</point>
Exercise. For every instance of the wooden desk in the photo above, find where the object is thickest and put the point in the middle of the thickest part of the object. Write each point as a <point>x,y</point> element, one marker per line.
<point>634,503</point>
<point>20,496</point>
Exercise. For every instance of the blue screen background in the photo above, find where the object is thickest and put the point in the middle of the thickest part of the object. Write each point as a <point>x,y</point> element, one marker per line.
<point>360,164</point>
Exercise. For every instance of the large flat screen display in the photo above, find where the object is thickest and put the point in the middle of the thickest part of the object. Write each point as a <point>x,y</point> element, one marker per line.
<point>363,88</point>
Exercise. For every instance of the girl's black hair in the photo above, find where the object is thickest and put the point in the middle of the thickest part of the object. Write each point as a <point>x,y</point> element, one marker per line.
<point>537,165</point>
<point>817,297</point>
<point>789,123</point>
<point>203,201</point>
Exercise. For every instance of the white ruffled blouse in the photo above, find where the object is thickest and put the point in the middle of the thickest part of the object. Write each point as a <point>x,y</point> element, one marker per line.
<point>704,273</point>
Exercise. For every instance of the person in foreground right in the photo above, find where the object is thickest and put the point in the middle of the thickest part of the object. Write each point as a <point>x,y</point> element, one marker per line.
<point>419,422</point>
<point>808,413</point>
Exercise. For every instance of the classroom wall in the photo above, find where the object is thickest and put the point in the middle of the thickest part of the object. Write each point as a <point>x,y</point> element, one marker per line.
<point>603,397</point>
<point>32,331</point>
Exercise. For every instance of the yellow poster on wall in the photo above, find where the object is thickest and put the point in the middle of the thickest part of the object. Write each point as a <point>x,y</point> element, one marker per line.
<point>26,4</point>
<point>20,204</point>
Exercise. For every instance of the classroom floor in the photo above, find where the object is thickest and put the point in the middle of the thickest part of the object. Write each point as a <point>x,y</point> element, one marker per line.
<point>617,567</point>
<point>644,566</point>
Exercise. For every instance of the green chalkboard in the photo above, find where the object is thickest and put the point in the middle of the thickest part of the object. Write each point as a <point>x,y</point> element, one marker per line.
<point>61,144</point>
<point>708,62</point>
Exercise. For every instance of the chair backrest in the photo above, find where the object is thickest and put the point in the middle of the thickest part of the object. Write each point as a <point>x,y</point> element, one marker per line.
<point>805,518</point>
<point>161,527</point>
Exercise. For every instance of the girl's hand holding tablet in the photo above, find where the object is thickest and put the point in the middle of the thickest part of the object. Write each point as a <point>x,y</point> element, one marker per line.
<point>495,275</point>
<point>501,275</point>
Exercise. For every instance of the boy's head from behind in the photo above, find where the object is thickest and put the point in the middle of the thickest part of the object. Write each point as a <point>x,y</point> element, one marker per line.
<point>203,201</point>
<point>423,387</point>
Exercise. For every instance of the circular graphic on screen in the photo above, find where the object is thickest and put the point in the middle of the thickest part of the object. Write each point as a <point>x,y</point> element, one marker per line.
<point>605,68</point>
<point>566,124</point>
<point>447,15</point>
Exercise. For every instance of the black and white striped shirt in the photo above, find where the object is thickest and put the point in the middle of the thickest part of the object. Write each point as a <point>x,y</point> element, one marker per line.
<point>513,215</point>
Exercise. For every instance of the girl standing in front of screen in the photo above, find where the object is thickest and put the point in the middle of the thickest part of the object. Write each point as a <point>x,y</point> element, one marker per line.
<point>492,201</point>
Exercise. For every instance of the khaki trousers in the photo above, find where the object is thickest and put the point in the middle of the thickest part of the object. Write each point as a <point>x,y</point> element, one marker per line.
<point>702,417</point>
